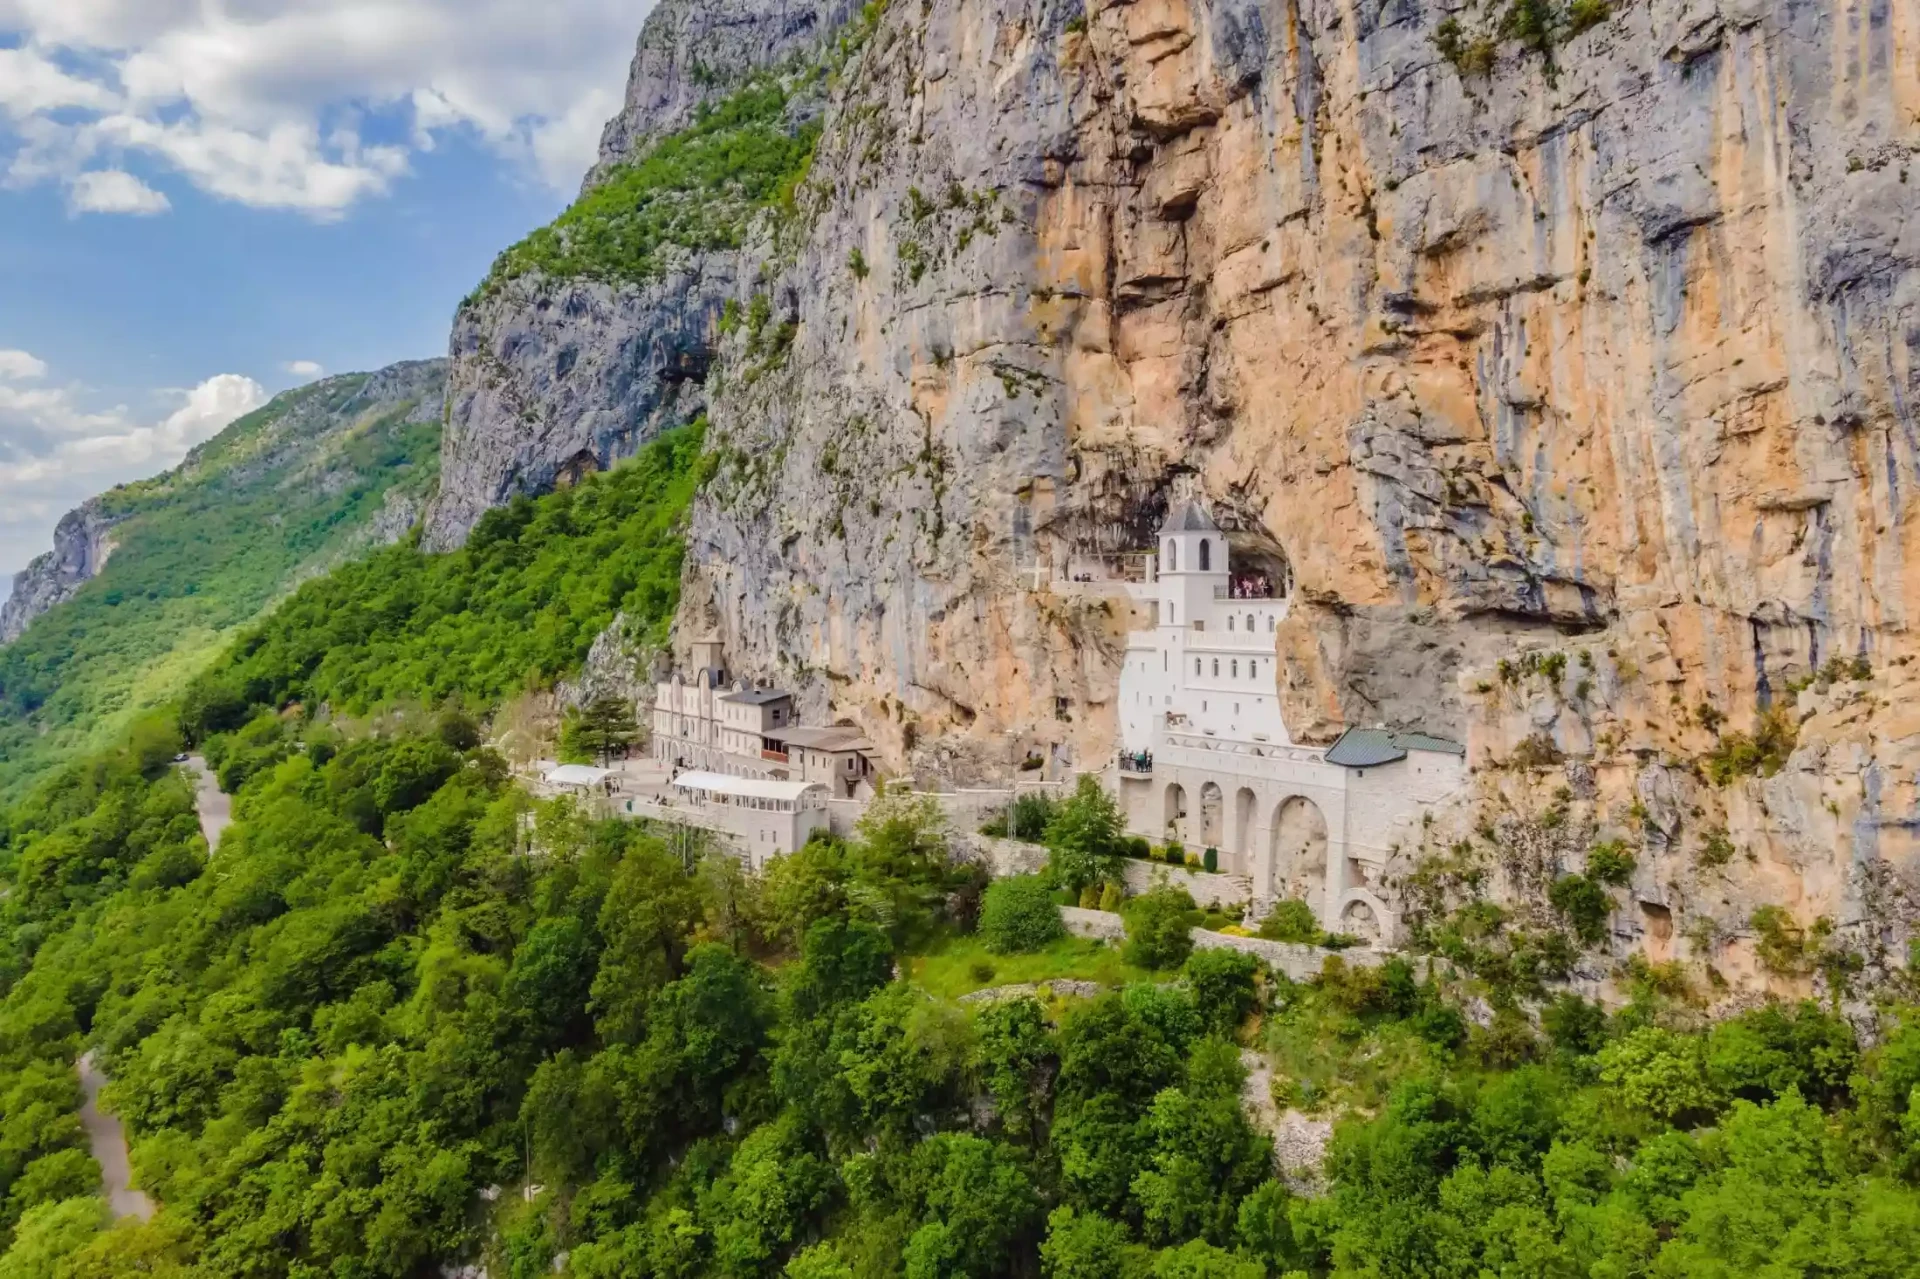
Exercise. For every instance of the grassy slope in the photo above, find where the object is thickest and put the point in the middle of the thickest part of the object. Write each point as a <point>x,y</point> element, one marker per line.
<point>201,551</point>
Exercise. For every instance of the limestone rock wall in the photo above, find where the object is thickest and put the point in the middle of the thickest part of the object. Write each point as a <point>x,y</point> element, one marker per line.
<point>1612,348</point>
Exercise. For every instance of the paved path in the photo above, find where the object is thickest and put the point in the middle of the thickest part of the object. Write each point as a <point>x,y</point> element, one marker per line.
<point>215,805</point>
<point>109,1142</point>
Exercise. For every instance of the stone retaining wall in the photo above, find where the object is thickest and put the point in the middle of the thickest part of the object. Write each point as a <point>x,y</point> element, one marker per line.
<point>1297,961</point>
<point>1207,890</point>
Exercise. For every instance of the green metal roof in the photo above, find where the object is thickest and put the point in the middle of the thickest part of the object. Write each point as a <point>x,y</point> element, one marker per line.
<point>1366,747</point>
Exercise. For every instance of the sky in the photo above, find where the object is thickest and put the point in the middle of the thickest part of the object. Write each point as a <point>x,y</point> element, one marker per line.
<point>206,202</point>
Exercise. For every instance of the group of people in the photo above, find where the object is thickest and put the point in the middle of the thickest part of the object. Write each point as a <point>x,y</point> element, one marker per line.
<point>1254,586</point>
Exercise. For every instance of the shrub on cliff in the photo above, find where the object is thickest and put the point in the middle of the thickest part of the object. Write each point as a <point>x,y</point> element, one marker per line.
<point>1019,916</point>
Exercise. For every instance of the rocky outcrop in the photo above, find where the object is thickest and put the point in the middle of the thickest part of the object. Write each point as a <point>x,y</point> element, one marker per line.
<point>1610,347</point>
<point>692,49</point>
<point>553,379</point>
<point>82,541</point>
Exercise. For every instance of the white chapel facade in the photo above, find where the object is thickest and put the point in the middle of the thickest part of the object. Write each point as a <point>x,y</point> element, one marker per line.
<point>1206,758</point>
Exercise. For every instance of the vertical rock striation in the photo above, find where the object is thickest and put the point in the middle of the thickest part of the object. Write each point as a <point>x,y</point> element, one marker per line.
<point>1607,349</point>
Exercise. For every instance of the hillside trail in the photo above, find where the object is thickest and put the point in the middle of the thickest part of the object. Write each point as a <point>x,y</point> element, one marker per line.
<point>215,805</point>
<point>108,1141</point>
<point>105,1135</point>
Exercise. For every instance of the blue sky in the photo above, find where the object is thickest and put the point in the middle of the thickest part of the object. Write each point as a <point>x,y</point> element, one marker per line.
<point>205,202</point>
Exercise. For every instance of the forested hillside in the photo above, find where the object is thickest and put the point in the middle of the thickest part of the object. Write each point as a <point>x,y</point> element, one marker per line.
<point>408,1018</point>
<point>318,474</point>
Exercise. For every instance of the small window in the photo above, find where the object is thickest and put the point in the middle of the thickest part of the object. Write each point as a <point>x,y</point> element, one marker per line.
<point>1216,668</point>
<point>1196,666</point>
<point>1173,556</point>
<point>1229,621</point>
<point>1236,669</point>
<point>1206,555</point>
<point>1249,623</point>
<point>1269,624</point>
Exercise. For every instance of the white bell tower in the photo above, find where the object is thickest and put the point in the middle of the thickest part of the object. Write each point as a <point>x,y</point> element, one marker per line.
<point>1193,566</point>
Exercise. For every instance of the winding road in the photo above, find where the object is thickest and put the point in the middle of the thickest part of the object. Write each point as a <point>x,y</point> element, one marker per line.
<point>105,1135</point>
<point>109,1143</point>
<point>215,805</point>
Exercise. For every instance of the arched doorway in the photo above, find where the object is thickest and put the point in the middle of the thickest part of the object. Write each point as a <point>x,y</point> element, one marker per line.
<point>1211,802</point>
<point>1176,810</point>
<point>1300,852</point>
<point>1244,804</point>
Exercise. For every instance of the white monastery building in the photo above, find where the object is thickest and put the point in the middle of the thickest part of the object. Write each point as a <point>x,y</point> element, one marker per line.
<point>1206,758</point>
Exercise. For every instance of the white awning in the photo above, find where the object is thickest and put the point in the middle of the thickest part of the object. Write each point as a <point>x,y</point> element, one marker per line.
<point>745,787</point>
<point>577,775</point>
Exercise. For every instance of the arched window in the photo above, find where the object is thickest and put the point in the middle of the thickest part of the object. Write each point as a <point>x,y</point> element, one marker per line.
<point>1206,555</point>
<point>1216,668</point>
<point>1173,556</point>
<point>1236,668</point>
<point>1229,621</point>
<point>1269,624</point>
<point>1196,666</point>
<point>1249,623</point>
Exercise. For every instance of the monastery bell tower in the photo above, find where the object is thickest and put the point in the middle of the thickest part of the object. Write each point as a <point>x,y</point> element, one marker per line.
<point>1193,565</point>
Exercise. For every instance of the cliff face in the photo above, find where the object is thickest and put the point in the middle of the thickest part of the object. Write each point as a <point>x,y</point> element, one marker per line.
<point>552,378</point>
<point>1603,349</point>
<point>81,544</point>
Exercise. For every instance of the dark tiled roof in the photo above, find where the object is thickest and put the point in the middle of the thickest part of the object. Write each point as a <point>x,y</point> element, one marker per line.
<point>757,696</point>
<point>827,739</point>
<point>1366,747</point>
<point>1189,517</point>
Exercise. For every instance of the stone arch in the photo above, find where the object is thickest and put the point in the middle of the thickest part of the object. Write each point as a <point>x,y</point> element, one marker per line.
<point>1300,851</point>
<point>1358,919</point>
<point>1211,802</point>
<point>1176,809</point>
<point>1244,804</point>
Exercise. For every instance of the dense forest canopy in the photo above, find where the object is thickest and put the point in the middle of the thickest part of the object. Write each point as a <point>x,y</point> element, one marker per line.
<point>518,606</point>
<point>408,1017</point>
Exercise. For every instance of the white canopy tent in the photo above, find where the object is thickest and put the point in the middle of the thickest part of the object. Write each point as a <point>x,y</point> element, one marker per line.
<point>577,775</point>
<point>754,792</point>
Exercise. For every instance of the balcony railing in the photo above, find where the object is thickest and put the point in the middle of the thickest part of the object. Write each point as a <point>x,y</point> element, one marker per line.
<point>778,757</point>
<point>1245,588</point>
<point>1139,763</point>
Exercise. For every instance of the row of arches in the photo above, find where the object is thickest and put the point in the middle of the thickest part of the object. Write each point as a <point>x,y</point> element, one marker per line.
<point>1298,834</point>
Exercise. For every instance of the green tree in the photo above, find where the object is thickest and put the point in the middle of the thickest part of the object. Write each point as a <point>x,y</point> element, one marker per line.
<point>981,1207</point>
<point>1019,916</point>
<point>1013,1054</point>
<point>1086,839</point>
<point>650,906</point>
<point>1225,985</point>
<point>1160,928</point>
<point>603,728</point>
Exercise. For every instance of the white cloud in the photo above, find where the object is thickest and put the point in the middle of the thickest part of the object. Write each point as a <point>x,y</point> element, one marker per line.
<point>311,105</point>
<point>114,191</point>
<point>56,451</point>
<point>303,368</point>
<point>21,366</point>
